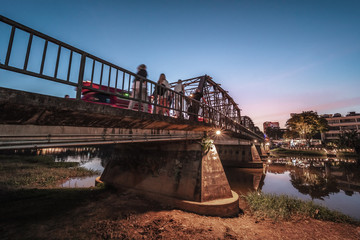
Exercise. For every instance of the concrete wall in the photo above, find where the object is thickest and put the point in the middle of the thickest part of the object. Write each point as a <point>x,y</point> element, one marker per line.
<point>230,154</point>
<point>214,182</point>
<point>258,149</point>
<point>175,170</point>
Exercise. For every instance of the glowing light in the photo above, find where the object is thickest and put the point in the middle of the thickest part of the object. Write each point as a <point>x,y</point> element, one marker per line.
<point>218,132</point>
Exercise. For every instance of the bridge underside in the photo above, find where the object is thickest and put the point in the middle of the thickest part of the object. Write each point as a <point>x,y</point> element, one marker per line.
<point>35,136</point>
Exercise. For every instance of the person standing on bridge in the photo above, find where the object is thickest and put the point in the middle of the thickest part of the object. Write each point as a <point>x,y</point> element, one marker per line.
<point>179,88</point>
<point>195,105</point>
<point>163,95</point>
<point>139,91</point>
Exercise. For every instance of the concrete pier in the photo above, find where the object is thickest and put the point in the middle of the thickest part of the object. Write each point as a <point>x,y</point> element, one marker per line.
<point>180,174</point>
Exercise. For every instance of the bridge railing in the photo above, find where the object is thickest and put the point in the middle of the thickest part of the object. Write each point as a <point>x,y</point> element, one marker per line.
<point>47,58</point>
<point>44,57</point>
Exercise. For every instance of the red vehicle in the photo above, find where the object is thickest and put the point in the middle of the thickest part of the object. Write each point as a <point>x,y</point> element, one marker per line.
<point>121,101</point>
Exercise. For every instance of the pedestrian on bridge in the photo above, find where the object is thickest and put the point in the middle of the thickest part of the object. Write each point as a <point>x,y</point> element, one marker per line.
<point>163,95</point>
<point>179,88</point>
<point>195,105</point>
<point>139,91</point>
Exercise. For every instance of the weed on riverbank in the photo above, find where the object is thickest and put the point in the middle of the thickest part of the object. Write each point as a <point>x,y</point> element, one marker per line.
<point>37,171</point>
<point>283,207</point>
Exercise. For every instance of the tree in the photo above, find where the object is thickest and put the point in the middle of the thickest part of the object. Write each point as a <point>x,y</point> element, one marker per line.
<point>306,124</point>
<point>274,132</point>
<point>350,139</point>
<point>290,134</point>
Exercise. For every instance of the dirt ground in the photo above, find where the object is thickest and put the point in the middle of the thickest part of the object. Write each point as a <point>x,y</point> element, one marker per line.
<point>125,215</point>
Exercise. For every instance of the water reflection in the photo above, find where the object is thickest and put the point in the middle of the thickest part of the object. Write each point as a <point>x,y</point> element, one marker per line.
<point>91,158</point>
<point>243,180</point>
<point>84,182</point>
<point>334,183</point>
<point>320,177</point>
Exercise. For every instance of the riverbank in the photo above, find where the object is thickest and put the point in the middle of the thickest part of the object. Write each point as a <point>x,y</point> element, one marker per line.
<point>98,213</point>
<point>282,152</point>
<point>18,171</point>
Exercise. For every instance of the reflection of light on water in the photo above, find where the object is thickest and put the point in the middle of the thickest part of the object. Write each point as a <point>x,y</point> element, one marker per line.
<point>47,151</point>
<point>80,182</point>
<point>87,163</point>
<point>94,164</point>
<point>90,164</point>
<point>87,157</point>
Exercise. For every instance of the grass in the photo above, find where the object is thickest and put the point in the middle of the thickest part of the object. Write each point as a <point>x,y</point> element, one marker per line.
<point>37,171</point>
<point>287,152</point>
<point>283,207</point>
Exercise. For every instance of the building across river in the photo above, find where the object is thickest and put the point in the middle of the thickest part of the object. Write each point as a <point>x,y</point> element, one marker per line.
<point>339,124</point>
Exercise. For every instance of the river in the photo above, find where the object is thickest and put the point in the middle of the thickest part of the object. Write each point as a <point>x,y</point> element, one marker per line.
<point>334,183</point>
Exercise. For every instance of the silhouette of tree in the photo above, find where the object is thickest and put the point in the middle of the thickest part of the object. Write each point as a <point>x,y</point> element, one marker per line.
<point>274,132</point>
<point>350,139</point>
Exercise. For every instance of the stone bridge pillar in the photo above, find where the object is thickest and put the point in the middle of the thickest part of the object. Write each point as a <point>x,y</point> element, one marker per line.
<point>255,154</point>
<point>182,174</point>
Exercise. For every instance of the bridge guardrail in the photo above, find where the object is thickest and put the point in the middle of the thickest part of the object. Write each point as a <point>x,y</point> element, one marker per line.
<point>69,61</point>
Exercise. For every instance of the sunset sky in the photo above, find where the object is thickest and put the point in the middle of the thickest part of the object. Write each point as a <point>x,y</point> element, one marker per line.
<point>274,57</point>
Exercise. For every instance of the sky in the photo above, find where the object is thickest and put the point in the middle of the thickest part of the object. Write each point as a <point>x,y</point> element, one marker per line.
<point>274,57</point>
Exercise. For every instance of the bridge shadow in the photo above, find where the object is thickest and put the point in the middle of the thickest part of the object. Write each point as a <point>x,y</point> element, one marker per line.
<point>30,213</point>
<point>24,205</point>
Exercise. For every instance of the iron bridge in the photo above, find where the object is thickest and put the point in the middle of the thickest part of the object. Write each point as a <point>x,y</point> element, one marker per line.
<point>27,51</point>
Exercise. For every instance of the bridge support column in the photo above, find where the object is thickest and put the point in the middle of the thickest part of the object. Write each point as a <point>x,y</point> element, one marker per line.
<point>255,154</point>
<point>262,150</point>
<point>180,174</point>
